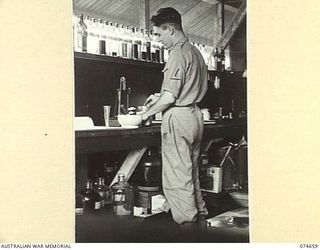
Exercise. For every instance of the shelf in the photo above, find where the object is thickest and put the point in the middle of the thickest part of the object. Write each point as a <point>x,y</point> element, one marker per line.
<point>225,72</point>
<point>111,140</point>
<point>104,58</point>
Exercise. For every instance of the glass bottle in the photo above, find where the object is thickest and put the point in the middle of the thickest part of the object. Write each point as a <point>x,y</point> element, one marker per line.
<point>122,197</point>
<point>96,30</point>
<point>109,173</point>
<point>100,188</point>
<point>112,39</point>
<point>102,37</point>
<point>134,44</point>
<point>124,41</point>
<point>157,45</point>
<point>136,51</point>
<point>95,179</point>
<point>227,58</point>
<point>216,61</point>
<point>92,199</point>
<point>143,45</point>
<point>81,34</point>
<point>108,38</point>
<point>80,204</point>
<point>151,166</point>
<point>90,39</point>
<point>223,60</point>
<point>104,191</point>
<point>129,35</point>
<point>153,47</point>
<point>148,43</point>
<point>118,38</point>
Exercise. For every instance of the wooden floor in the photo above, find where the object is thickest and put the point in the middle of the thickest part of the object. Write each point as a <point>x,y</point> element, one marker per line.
<point>102,227</point>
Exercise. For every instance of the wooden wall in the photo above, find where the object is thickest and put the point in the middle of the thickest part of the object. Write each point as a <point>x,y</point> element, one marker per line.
<point>96,84</point>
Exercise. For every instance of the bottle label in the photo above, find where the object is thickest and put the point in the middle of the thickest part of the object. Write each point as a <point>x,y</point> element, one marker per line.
<point>119,197</point>
<point>205,161</point>
<point>79,211</point>
<point>120,210</point>
<point>97,205</point>
<point>109,169</point>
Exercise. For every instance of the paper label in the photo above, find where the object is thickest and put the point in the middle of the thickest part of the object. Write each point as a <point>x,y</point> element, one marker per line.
<point>97,205</point>
<point>119,197</point>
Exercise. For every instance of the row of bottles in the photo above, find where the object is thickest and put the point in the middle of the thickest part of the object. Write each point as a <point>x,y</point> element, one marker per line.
<point>95,197</point>
<point>97,36</point>
<point>219,60</point>
<point>99,192</point>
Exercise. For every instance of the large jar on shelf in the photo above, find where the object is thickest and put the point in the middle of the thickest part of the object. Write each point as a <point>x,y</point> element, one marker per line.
<point>151,172</point>
<point>122,197</point>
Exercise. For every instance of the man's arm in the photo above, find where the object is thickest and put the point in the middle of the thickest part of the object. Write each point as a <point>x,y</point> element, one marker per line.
<point>165,100</point>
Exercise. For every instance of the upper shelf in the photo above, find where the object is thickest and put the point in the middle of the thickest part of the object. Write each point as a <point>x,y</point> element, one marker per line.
<point>120,60</point>
<point>104,58</point>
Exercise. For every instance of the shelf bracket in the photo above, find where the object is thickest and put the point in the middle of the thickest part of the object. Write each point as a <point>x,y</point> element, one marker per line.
<point>130,163</point>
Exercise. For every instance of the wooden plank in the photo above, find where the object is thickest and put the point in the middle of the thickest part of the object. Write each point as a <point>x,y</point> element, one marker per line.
<point>232,28</point>
<point>130,163</point>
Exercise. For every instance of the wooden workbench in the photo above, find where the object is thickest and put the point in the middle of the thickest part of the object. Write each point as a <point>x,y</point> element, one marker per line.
<point>136,141</point>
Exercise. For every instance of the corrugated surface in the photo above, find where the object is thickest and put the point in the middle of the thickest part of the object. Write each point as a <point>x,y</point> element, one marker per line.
<point>197,15</point>
<point>121,11</point>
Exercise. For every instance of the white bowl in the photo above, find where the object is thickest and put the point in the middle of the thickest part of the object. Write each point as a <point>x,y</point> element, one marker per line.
<point>129,120</point>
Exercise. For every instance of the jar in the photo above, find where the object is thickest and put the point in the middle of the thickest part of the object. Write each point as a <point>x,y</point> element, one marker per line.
<point>150,166</point>
<point>122,197</point>
<point>205,114</point>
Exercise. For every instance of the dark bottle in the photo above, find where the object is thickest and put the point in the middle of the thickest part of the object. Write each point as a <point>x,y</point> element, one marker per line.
<point>109,173</point>
<point>148,45</point>
<point>80,204</point>
<point>95,179</point>
<point>134,45</point>
<point>122,197</point>
<point>143,45</point>
<point>104,191</point>
<point>151,167</point>
<point>92,199</point>
<point>101,189</point>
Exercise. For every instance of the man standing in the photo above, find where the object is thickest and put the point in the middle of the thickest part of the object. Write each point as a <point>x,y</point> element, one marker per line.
<point>183,86</point>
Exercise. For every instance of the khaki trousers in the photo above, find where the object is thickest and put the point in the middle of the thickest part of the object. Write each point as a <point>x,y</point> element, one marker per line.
<point>181,132</point>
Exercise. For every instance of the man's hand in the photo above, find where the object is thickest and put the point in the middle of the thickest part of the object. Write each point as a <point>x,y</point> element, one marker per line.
<point>151,100</point>
<point>157,104</point>
<point>144,116</point>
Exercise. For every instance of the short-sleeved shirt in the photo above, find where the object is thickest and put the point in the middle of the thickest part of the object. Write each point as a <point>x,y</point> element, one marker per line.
<point>185,74</point>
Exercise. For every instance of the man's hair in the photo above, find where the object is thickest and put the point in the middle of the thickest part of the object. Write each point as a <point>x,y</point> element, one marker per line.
<point>166,16</point>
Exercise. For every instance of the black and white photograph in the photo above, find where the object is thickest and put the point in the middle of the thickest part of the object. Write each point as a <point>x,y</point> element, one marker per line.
<point>160,106</point>
<point>159,123</point>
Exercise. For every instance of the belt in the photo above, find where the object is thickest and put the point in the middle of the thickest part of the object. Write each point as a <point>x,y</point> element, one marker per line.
<point>186,106</point>
<point>194,105</point>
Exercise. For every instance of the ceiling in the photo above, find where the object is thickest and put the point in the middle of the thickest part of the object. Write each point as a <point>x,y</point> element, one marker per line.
<point>197,15</point>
